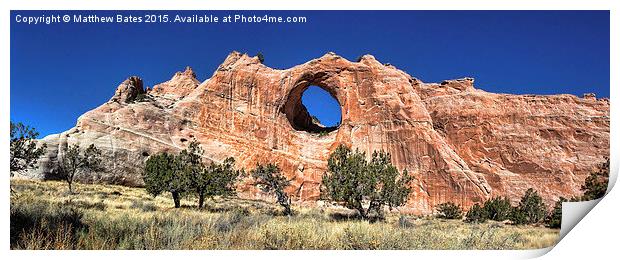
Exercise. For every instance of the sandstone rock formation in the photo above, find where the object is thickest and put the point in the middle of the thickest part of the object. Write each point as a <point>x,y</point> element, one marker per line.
<point>461,143</point>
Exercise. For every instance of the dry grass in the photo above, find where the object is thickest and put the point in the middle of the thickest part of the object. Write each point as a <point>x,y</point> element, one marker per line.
<point>45,216</point>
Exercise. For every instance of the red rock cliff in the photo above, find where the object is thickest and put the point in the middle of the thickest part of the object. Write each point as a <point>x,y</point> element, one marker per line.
<point>462,144</point>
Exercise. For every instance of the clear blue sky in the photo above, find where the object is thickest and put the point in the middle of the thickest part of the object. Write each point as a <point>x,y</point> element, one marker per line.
<point>60,71</point>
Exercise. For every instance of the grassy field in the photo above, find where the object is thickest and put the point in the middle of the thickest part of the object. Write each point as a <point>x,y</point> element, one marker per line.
<point>45,216</point>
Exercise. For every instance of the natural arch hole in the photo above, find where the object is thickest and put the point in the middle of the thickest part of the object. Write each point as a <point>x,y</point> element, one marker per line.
<point>312,109</point>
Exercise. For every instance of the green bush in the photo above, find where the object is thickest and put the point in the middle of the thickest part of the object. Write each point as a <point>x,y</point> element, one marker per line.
<point>595,185</point>
<point>531,209</point>
<point>554,220</point>
<point>261,57</point>
<point>449,210</point>
<point>497,209</point>
<point>476,214</point>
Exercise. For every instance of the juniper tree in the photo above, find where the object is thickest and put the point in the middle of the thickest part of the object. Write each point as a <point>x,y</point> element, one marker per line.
<point>190,170</point>
<point>24,150</point>
<point>217,179</point>
<point>497,208</point>
<point>163,173</point>
<point>476,214</point>
<point>554,220</point>
<point>269,179</point>
<point>352,180</point>
<point>73,160</point>
<point>531,209</point>
<point>449,210</point>
<point>595,185</point>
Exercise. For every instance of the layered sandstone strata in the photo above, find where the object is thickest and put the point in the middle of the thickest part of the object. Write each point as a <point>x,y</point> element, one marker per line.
<point>462,144</point>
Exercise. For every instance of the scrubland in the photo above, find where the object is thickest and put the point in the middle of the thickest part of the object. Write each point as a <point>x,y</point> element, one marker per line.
<point>44,215</point>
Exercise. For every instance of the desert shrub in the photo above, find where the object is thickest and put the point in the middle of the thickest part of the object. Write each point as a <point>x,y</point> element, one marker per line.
<point>291,235</point>
<point>405,221</point>
<point>352,180</point>
<point>261,57</point>
<point>531,209</point>
<point>33,221</point>
<point>343,214</point>
<point>554,219</point>
<point>238,229</point>
<point>497,209</point>
<point>228,221</point>
<point>143,206</point>
<point>491,238</point>
<point>270,180</point>
<point>99,205</point>
<point>595,185</point>
<point>169,230</point>
<point>476,214</point>
<point>449,210</point>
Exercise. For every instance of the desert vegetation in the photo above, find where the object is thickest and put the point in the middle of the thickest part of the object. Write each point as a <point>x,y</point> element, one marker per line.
<point>361,197</point>
<point>269,179</point>
<point>24,150</point>
<point>44,216</point>
<point>74,160</point>
<point>351,180</point>
<point>186,174</point>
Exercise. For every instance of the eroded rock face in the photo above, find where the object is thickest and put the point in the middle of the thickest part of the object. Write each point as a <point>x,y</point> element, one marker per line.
<point>462,144</point>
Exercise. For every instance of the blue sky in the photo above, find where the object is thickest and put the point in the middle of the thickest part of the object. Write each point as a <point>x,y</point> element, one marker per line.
<point>60,71</point>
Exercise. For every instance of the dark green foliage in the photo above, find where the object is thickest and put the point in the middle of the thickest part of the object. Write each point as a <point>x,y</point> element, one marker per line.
<point>73,160</point>
<point>163,173</point>
<point>191,171</point>
<point>497,209</point>
<point>517,216</point>
<point>449,210</point>
<point>261,57</point>
<point>351,180</point>
<point>217,179</point>
<point>476,214</point>
<point>595,185</point>
<point>531,209</point>
<point>554,220</point>
<point>24,150</point>
<point>185,173</point>
<point>269,179</point>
